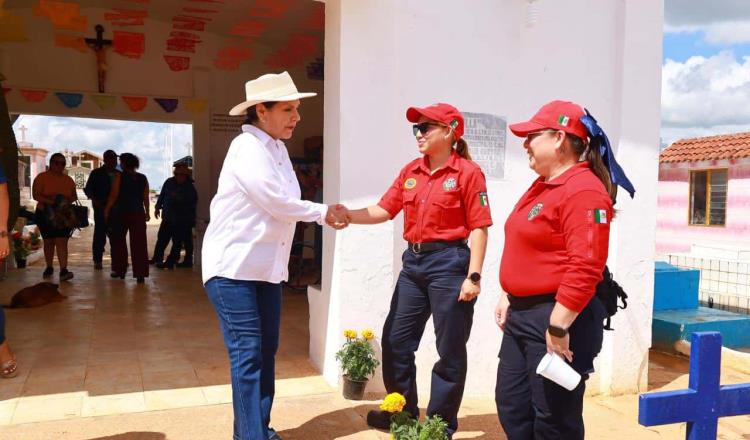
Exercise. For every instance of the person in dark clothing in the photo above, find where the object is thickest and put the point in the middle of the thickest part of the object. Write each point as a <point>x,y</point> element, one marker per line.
<point>97,190</point>
<point>127,212</point>
<point>178,199</point>
<point>165,231</point>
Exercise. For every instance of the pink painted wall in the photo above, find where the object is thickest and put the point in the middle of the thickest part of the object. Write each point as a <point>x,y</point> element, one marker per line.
<point>674,234</point>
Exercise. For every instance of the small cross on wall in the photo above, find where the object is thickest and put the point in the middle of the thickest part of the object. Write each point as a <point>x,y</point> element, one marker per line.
<point>99,45</point>
<point>23,130</point>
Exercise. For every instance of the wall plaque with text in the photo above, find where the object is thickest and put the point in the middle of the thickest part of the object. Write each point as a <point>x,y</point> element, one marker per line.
<point>485,135</point>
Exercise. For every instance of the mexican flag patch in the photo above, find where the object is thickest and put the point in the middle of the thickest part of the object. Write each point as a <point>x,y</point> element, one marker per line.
<point>483,199</point>
<point>600,216</point>
<point>563,120</point>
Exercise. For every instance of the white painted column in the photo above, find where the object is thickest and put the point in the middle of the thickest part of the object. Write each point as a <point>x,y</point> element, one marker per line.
<point>623,363</point>
<point>360,126</point>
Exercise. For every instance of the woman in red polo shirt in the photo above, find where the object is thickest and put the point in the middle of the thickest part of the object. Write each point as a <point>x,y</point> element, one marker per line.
<point>444,198</point>
<point>556,244</point>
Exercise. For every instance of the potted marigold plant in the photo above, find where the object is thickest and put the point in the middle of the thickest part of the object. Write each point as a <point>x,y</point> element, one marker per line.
<point>358,363</point>
<point>404,427</point>
<point>35,241</point>
<point>21,248</point>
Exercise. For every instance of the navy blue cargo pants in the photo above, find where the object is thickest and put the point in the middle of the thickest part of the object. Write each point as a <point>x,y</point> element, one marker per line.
<point>429,284</point>
<point>531,407</point>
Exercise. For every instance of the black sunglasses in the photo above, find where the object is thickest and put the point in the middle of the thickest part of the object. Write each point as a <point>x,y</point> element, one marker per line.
<point>531,136</point>
<point>423,127</point>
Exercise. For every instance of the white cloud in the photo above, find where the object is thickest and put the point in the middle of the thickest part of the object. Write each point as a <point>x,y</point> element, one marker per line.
<point>144,139</point>
<point>704,96</point>
<point>730,32</point>
<point>718,34</point>
<point>683,13</point>
<point>722,22</point>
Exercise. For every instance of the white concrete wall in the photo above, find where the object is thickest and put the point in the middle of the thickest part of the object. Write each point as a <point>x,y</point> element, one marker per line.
<point>384,55</point>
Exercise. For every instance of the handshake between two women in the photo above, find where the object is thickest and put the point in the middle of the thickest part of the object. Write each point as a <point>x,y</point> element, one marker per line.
<point>339,216</point>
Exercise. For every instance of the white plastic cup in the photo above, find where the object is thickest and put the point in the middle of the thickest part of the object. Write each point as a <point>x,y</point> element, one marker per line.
<point>554,368</point>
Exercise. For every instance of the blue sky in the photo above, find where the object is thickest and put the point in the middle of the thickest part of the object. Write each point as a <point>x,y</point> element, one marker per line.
<point>679,46</point>
<point>706,68</point>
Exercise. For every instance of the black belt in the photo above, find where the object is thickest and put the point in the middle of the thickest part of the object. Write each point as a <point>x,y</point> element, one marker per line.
<point>527,302</point>
<point>432,246</point>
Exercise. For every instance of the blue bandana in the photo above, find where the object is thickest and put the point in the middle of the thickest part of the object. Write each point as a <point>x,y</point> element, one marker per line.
<point>599,140</point>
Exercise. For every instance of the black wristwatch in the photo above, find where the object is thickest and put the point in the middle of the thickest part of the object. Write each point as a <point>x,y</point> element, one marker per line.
<point>475,277</point>
<point>556,331</point>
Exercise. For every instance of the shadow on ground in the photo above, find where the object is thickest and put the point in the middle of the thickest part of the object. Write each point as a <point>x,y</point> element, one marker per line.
<point>338,424</point>
<point>134,436</point>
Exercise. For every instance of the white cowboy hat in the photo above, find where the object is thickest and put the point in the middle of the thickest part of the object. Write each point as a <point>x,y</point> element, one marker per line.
<point>269,87</point>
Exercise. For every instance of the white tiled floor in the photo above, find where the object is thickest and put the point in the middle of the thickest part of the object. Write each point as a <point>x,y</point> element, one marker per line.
<point>116,347</point>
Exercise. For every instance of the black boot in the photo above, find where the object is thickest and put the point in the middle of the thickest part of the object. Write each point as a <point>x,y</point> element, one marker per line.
<point>379,419</point>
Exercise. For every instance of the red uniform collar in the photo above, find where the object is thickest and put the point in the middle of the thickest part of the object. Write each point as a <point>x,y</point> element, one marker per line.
<point>424,164</point>
<point>563,178</point>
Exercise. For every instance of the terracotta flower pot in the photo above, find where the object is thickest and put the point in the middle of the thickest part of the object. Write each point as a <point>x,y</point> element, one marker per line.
<point>354,389</point>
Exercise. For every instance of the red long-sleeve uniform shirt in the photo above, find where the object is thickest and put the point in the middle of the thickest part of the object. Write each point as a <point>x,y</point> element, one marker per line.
<point>443,206</point>
<point>557,238</point>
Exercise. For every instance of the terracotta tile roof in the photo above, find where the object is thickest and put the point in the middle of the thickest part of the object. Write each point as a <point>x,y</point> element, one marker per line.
<point>726,146</point>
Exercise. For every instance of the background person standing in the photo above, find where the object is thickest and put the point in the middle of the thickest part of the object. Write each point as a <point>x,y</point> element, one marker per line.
<point>179,200</point>
<point>8,366</point>
<point>127,212</point>
<point>97,190</point>
<point>54,192</point>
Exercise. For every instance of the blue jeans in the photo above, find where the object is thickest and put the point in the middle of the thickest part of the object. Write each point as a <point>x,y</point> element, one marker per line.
<point>249,313</point>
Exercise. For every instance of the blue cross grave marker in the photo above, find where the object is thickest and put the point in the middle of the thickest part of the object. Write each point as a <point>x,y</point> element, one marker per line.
<point>704,401</point>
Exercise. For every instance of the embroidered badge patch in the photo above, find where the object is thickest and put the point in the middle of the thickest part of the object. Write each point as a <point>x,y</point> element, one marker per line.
<point>483,199</point>
<point>449,184</point>
<point>600,216</point>
<point>563,120</point>
<point>410,183</point>
<point>535,210</point>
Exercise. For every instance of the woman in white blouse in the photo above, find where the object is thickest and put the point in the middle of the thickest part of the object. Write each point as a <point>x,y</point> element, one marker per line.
<point>247,244</point>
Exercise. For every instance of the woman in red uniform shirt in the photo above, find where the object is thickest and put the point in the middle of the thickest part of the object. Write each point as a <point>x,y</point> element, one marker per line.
<point>556,243</point>
<point>444,198</point>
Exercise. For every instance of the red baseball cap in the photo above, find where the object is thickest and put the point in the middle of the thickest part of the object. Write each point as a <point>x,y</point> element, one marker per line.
<point>555,115</point>
<point>444,113</point>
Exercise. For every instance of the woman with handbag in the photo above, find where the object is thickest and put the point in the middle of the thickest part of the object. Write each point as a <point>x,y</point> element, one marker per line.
<point>55,192</point>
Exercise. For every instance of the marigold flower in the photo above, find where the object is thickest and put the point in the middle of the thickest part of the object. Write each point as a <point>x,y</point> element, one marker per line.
<point>368,334</point>
<point>393,403</point>
<point>350,334</point>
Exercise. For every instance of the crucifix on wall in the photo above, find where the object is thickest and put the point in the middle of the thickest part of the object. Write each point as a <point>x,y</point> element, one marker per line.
<point>99,45</point>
